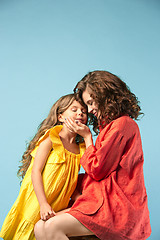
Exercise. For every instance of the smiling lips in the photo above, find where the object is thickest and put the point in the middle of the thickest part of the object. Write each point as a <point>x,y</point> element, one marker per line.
<point>95,113</point>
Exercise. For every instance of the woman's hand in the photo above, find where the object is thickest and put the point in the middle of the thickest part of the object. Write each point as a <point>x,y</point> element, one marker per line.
<point>46,212</point>
<point>77,127</point>
<point>81,129</point>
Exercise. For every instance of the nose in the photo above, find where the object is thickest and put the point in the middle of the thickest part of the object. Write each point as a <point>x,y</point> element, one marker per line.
<point>80,112</point>
<point>90,109</point>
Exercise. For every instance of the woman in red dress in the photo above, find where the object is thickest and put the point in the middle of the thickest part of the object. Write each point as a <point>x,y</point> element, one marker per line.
<point>113,202</point>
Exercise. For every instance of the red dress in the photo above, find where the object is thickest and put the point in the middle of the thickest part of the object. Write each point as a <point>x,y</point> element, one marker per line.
<point>113,204</point>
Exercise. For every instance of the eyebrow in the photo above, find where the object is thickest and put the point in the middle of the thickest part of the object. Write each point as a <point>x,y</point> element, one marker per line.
<point>77,107</point>
<point>74,106</point>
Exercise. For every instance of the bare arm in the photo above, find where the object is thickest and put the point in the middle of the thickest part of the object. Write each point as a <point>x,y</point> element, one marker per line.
<point>38,165</point>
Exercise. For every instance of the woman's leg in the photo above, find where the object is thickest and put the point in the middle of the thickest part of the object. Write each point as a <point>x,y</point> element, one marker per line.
<point>63,226</point>
<point>39,230</point>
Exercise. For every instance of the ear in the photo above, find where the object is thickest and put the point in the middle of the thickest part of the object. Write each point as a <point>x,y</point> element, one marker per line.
<point>61,118</point>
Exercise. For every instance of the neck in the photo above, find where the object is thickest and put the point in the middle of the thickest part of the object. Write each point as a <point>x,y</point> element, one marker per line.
<point>67,135</point>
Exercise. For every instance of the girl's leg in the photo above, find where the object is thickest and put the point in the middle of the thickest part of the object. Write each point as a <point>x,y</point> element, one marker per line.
<point>39,230</point>
<point>63,226</point>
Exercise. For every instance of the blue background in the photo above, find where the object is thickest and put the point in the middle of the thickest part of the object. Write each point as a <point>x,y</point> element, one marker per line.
<point>46,46</point>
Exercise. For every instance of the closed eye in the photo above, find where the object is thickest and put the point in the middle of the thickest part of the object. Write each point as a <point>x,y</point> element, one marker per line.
<point>84,111</point>
<point>74,109</point>
<point>90,103</point>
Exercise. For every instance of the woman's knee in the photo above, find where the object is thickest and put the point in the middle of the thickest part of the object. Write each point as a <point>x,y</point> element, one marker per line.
<point>51,225</point>
<point>39,228</point>
<point>53,229</point>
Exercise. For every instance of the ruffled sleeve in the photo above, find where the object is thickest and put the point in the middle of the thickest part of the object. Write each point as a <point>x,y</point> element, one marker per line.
<point>58,154</point>
<point>58,148</point>
<point>53,133</point>
<point>33,153</point>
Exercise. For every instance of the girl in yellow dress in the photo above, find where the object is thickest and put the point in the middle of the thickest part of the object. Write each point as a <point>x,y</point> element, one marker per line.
<point>49,170</point>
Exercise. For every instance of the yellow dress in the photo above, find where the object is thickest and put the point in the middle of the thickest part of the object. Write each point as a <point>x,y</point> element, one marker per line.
<point>60,177</point>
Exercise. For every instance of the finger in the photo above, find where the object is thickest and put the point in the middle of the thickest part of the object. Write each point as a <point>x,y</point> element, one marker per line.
<point>69,125</point>
<point>43,217</point>
<point>75,126</point>
<point>68,120</point>
<point>69,128</point>
<point>79,123</point>
<point>52,214</point>
<point>76,122</point>
<point>72,123</point>
<point>46,216</point>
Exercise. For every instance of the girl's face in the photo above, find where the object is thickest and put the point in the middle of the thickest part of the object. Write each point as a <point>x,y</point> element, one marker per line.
<point>75,111</point>
<point>91,104</point>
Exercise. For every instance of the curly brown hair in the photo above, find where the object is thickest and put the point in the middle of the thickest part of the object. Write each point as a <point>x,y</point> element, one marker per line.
<point>112,96</point>
<point>58,108</point>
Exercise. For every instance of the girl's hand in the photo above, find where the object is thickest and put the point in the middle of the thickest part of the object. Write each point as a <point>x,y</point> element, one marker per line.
<point>46,212</point>
<point>81,129</point>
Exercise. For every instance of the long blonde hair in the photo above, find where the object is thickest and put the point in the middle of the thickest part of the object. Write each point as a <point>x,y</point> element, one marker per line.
<point>58,108</point>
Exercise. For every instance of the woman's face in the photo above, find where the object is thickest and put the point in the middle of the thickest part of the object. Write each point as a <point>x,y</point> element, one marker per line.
<point>90,102</point>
